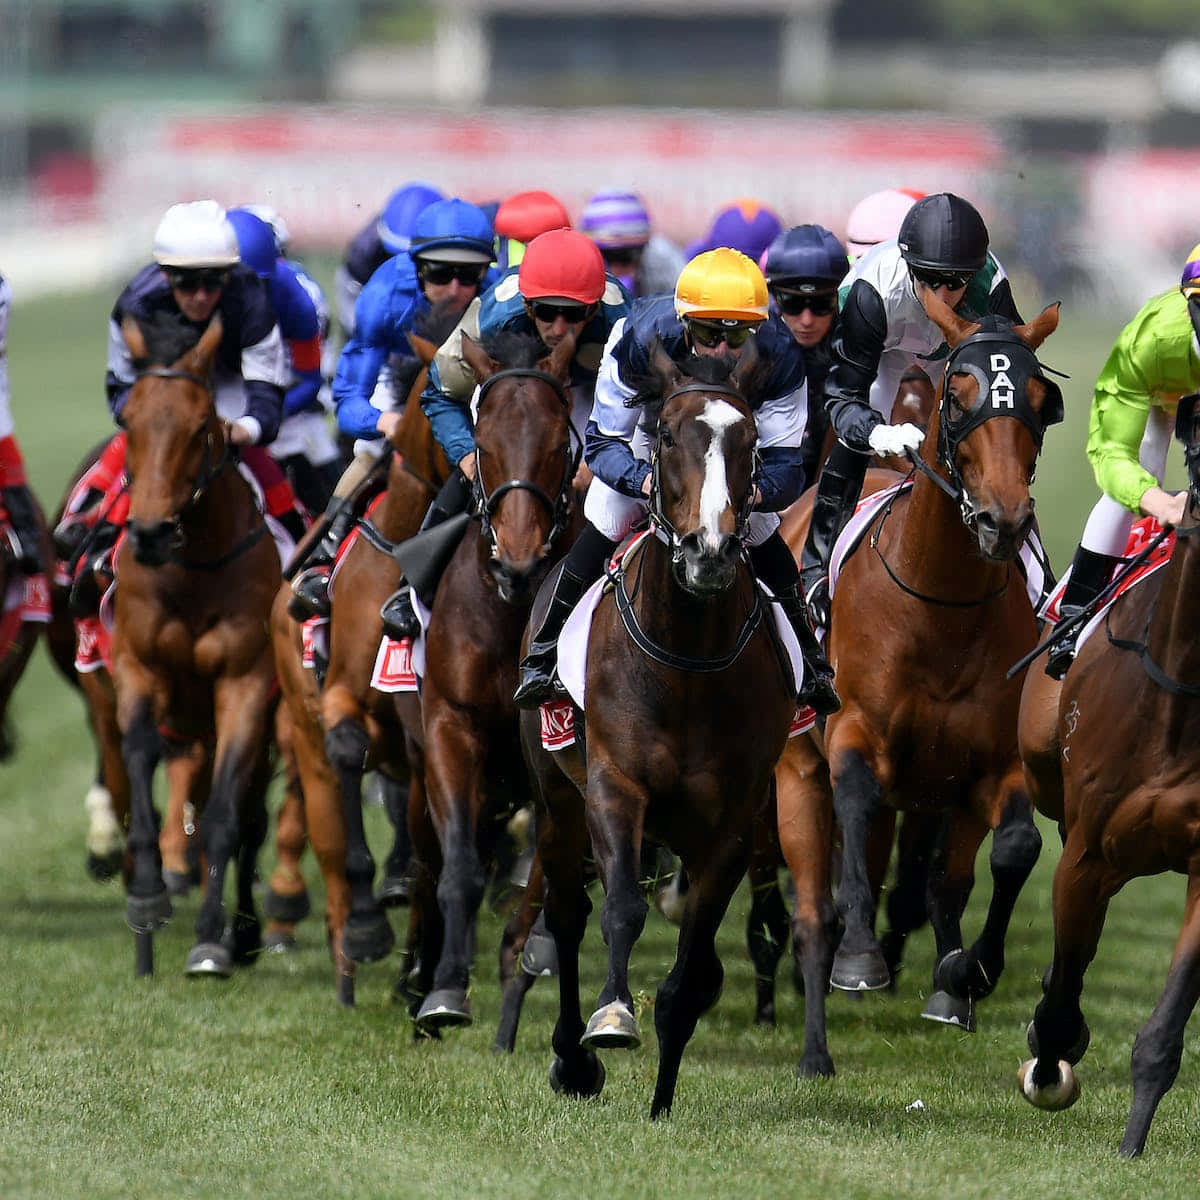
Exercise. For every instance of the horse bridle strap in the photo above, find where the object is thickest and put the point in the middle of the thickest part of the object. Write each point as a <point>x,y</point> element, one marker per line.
<point>176,373</point>
<point>523,373</point>
<point>236,551</point>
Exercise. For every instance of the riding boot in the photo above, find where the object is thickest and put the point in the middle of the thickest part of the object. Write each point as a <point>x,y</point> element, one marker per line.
<point>22,515</point>
<point>1090,573</point>
<point>838,488</point>
<point>773,564</point>
<point>399,617</point>
<point>91,569</point>
<point>310,588</point>
<point>581,568</point>
<point>74,527</point>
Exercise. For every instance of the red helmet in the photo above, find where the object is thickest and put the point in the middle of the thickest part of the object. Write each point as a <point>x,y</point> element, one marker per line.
<point>527,214</point>
<point>562,264</point>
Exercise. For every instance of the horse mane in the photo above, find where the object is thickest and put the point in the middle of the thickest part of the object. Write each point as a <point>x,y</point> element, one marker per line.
<point>169,336</point>
<point>698,368</point>
<point>512,349</point>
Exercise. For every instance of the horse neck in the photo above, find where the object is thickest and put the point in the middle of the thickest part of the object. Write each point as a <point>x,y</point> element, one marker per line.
<point>1171,638</point>
<point>223,512</point>
<point>415,437</point>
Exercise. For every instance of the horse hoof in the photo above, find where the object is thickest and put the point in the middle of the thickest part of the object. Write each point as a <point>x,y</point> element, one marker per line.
<point>145,914</point>
<point>209,959</point>
<point>279,941</point>
<point>539,958</point>
<point>817,1065</point>
<point>866,971</point>
<point>393,891</point>
<point>563,1085</point>
<point>367,939</point>
<point>1060,1094</point>
<point>103,867</point>
<point>612,1027</point>
<point>345,990</point>
<point>950,1010</point>
<point>178,883</point>
<point>244,940</point>
<point>443,1008</point>
<point>288,909</point>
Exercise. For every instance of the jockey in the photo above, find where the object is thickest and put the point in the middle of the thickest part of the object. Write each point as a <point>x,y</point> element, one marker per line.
<point>560,288</point>
<point>883,330</point>
<point>719,303</point>
<point>877,218</point>
<point>803,268</point>
<point>447,263</point>
<point>644,262</point>
<point>744,225</point>
<point>304,447</point>
<point>14,491</point>
<point>378,240</point>
<point>1155,361</point>
<point>520,219</point>
<point>196,275</point>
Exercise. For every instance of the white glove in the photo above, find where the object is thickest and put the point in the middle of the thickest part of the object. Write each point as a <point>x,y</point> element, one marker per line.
<point>886,440</point>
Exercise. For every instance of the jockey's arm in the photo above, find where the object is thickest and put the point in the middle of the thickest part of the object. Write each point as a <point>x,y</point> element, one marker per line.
<point>300,324</point>
<point>857,347</point>
<point>608,442</point>
<point>119,377</point>
<point>447,395</point>
<point>780,476</point>
<point>264,378</point>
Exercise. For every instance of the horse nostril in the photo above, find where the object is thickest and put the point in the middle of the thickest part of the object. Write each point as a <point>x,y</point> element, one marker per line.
<point>987,521</point>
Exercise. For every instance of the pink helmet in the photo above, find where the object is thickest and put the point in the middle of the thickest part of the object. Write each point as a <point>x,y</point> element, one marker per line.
<point>877,218</point>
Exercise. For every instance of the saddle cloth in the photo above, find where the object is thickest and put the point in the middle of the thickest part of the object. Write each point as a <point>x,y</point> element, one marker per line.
<point>400,665</point>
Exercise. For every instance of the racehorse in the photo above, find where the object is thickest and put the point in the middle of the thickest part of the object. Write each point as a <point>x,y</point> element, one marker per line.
<point>1112,754</point>
<point>929,613</point>
<point>191,653</point>
<point>527,456</point>
<point>689,702</point>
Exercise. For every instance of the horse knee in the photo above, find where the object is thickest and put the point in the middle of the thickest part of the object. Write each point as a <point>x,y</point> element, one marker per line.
<point>1016,846</point>
<point>346,746</point>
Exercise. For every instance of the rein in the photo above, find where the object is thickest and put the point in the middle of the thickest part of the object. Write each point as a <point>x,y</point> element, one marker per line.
<point>559,507</point>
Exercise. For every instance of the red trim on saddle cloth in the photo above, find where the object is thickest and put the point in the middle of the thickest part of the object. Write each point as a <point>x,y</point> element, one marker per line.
<point>93,645</point>
<point>393,670</point>
<point>12,465</point>
<point>803,721</point>
<point>344,548</point>
<point>314,640</point>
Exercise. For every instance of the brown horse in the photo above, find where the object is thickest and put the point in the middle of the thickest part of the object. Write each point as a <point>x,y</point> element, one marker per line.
<point>688,707</point>
<point>191,651</point>
<point>928,616</point>
<point>1112,754</point>
<point>527,455</point>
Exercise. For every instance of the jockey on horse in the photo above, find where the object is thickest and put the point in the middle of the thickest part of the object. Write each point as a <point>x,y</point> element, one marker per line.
<point>719,304</point>
<point>883,329</point>
<point>560,289</point>
<point>446,263</point>
<point>1155,361</point>
<point>877,218</point>
<point>14,491</point>
<point>196,275</point>
<point>519,219</point>
<point>646,263</point>
<point>303,447</point>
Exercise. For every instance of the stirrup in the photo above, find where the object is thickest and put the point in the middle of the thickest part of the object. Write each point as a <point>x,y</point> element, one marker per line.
<point>819,693</point>
<point>539,677</point>
<point>1062,654</point>
<point>816,600</point>
<point>310,594</point>
<point>400,620</point>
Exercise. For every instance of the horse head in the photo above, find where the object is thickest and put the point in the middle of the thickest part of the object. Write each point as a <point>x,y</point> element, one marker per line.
<point>704,460</point>
<point>993,373</point>
<point>526,454</point>
<point>175,442</point>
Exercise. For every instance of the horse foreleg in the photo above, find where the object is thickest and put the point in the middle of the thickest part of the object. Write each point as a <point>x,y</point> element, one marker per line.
<point>107,800</point>
<point>858,964</point>
<point>907,906</point>
<point>1158,1048</point>
<point>246,928</point>
<point>515,978</point>
<point>393,888</point>
<point>767,920</point>
<point>187,780</point>
<point>806,839</point>
<point>615,810</point>
<point>425,928</point>
<point>694,982</point>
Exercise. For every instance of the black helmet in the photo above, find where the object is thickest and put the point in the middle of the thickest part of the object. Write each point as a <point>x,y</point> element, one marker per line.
<point>943,232</point>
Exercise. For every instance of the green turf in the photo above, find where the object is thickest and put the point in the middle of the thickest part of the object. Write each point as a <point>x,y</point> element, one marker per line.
<point>111,1087</point>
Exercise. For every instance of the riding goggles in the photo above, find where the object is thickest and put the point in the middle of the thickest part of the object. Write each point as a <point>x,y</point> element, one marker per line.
<point>573,314</point>
<point>184,279</point>
<point>468,274</point>
<point>709,335</point>
<point>792,304</point>
<point>622,256</point>
<point>951,280</point>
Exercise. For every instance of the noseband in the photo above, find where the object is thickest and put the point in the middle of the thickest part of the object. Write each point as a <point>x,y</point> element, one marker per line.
<point>559,506</point>
<point>660,524</point>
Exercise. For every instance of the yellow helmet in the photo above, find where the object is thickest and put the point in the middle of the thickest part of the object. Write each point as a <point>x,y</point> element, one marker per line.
<point>721,285</point>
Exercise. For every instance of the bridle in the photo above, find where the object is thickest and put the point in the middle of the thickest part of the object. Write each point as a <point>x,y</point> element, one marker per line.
<point>559,505</point>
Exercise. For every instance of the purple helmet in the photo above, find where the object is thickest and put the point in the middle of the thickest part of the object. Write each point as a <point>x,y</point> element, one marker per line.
<point>745,225</point>
<point>1189,282</point>
<point>614,220</point>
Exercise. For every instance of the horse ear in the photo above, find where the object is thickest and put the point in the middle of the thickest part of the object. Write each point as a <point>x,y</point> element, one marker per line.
<point>131,331</point>
<point>954,328</point>
<point>558,361</point>
<point>663,367</point>
<point>423,348</point>
<point>478,359</point>
<point>1041,327</point>
<point>200,356</point>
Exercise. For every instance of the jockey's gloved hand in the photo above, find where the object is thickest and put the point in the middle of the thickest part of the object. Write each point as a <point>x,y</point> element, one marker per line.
<point>886,440</point>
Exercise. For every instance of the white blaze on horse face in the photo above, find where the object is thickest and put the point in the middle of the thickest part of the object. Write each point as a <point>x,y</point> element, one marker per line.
<point>714,492</point>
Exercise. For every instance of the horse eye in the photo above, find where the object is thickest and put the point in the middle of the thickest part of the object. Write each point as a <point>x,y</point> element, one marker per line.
<point>664,436</point>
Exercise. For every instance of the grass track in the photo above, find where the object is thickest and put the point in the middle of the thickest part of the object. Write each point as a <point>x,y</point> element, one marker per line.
<point>263,1087</point>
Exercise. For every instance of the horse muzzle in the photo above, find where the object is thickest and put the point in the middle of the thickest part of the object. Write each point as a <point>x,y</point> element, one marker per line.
<point>517,585</point>
<point>153,544</point>
<point>704,569</point>
<point>1001,535</point>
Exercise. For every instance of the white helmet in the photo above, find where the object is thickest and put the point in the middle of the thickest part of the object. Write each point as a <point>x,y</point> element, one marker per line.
<point>195,235</point>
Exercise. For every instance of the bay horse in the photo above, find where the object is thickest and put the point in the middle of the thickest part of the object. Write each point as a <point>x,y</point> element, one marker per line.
<point>928,615</point>
<point>523,517</point>
<point>1112,753</point>
<point>689,703</point>
<point>191,652</point>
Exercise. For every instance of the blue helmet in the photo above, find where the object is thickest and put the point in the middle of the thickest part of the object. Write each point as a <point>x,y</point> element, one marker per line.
<point>453,231</point>
<point>403,207</point>
<point>256,241</point>
<point>806,254</point>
